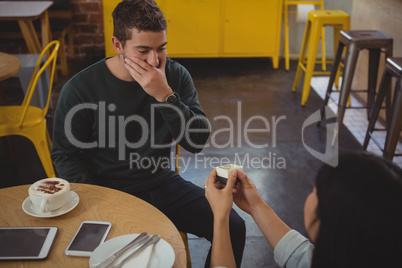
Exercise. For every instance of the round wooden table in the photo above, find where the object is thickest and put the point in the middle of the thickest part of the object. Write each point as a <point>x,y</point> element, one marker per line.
<point>9,65</point>
<point>128,215</point>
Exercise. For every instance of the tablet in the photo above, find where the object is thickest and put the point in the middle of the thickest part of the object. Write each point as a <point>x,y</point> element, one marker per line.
<point>17,243</point>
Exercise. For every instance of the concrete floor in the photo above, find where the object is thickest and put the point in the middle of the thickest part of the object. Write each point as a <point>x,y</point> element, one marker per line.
<point>252,95</point>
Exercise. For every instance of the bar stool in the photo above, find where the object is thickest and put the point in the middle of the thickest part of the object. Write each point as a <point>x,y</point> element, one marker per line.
<point>393,68</point>
<point>355,41</point>
<point>286,12</point>
<point>317,19</point>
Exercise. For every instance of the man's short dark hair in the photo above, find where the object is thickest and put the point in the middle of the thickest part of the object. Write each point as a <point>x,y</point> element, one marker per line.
<point>144,15</point>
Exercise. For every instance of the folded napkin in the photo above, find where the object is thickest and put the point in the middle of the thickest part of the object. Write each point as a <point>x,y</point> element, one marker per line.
<point>140,260</point>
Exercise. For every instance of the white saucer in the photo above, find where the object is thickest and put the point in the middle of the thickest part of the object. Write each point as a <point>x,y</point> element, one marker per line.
<point>162,256</point>
<point>70,205</point>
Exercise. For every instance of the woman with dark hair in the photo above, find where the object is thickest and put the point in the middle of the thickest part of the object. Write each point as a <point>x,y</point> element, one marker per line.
<point>353,216</point>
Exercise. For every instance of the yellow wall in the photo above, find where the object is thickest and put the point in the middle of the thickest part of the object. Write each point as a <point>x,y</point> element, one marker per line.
<point>215,28</point>
<point>108,7</point>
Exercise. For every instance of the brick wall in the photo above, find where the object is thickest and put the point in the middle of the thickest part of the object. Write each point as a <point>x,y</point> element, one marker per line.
<point>88,27</point>
<point>88,31</point>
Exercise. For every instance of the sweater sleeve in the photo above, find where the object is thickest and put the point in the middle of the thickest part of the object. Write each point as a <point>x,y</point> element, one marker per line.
<point>185,118</point>
<point>294,251</point>
<point>71,131</point>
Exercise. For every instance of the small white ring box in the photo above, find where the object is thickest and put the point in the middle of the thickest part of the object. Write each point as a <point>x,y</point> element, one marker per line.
<point>222,172</point>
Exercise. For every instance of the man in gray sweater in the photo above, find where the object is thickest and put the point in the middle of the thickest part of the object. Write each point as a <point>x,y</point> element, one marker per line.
<point>115,122</point>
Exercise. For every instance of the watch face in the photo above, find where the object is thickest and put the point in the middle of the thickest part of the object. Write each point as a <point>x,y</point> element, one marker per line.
<point>170,98</point>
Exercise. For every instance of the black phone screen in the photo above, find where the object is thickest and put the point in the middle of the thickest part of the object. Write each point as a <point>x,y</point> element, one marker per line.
<point>89,236</point>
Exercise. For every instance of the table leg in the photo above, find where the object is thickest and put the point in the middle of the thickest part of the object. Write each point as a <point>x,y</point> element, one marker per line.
<point>2,96</point>
<point>45,29</point>
<point>46,37</point>
<point>29,34</point>
<point>8,138</point>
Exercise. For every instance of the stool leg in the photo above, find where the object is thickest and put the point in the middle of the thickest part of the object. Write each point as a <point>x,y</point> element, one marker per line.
<point>349,70</point>
<point>334,72</point>
<point>302,55</point>
<point>337,33</point>
<point>332,77</point>
<point>388,53</point>
<point>338,75</point>
<point>71,43</point>
<point>323,60</point>
<point>286,41</point>
<point>63,55</point>
<point>382,91</point>
<point>374,60</point>
<point>393,132</point>
<point>312,56</point>
<point>388,99</point>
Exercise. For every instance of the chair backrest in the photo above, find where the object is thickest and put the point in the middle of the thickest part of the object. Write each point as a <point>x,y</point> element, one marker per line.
<point>51,51</point>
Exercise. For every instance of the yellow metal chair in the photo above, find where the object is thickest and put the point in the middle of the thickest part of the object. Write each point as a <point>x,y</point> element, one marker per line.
<point>317,20</point>
<point>183,235</point>
<point>287,11</point>
<point>29,121</point>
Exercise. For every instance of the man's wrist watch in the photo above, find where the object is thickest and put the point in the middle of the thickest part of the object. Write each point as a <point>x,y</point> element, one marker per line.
<point>170,98</point>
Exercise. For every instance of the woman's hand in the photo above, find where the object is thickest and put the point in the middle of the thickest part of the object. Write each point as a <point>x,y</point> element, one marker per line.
<point>220,200</point>
<point>246,196</point>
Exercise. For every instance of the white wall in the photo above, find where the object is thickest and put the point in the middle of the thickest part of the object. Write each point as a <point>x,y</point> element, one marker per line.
<point>384,16</point>
<point>296,30</point>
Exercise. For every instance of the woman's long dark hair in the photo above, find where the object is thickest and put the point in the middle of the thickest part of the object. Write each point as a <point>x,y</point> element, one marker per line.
<point>360,213</point>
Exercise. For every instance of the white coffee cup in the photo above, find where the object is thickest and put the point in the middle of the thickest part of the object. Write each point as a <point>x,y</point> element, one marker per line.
<point>49,194</point>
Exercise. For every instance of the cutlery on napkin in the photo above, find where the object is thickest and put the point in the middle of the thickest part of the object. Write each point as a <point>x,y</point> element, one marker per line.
<point>136,243</point>
<point>140,256</point>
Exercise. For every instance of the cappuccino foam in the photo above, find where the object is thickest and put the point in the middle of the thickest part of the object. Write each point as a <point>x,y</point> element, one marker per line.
<point>50,186</point>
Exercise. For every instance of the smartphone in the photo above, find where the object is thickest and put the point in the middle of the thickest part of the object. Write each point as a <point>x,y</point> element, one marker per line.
<point>89,236</point>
